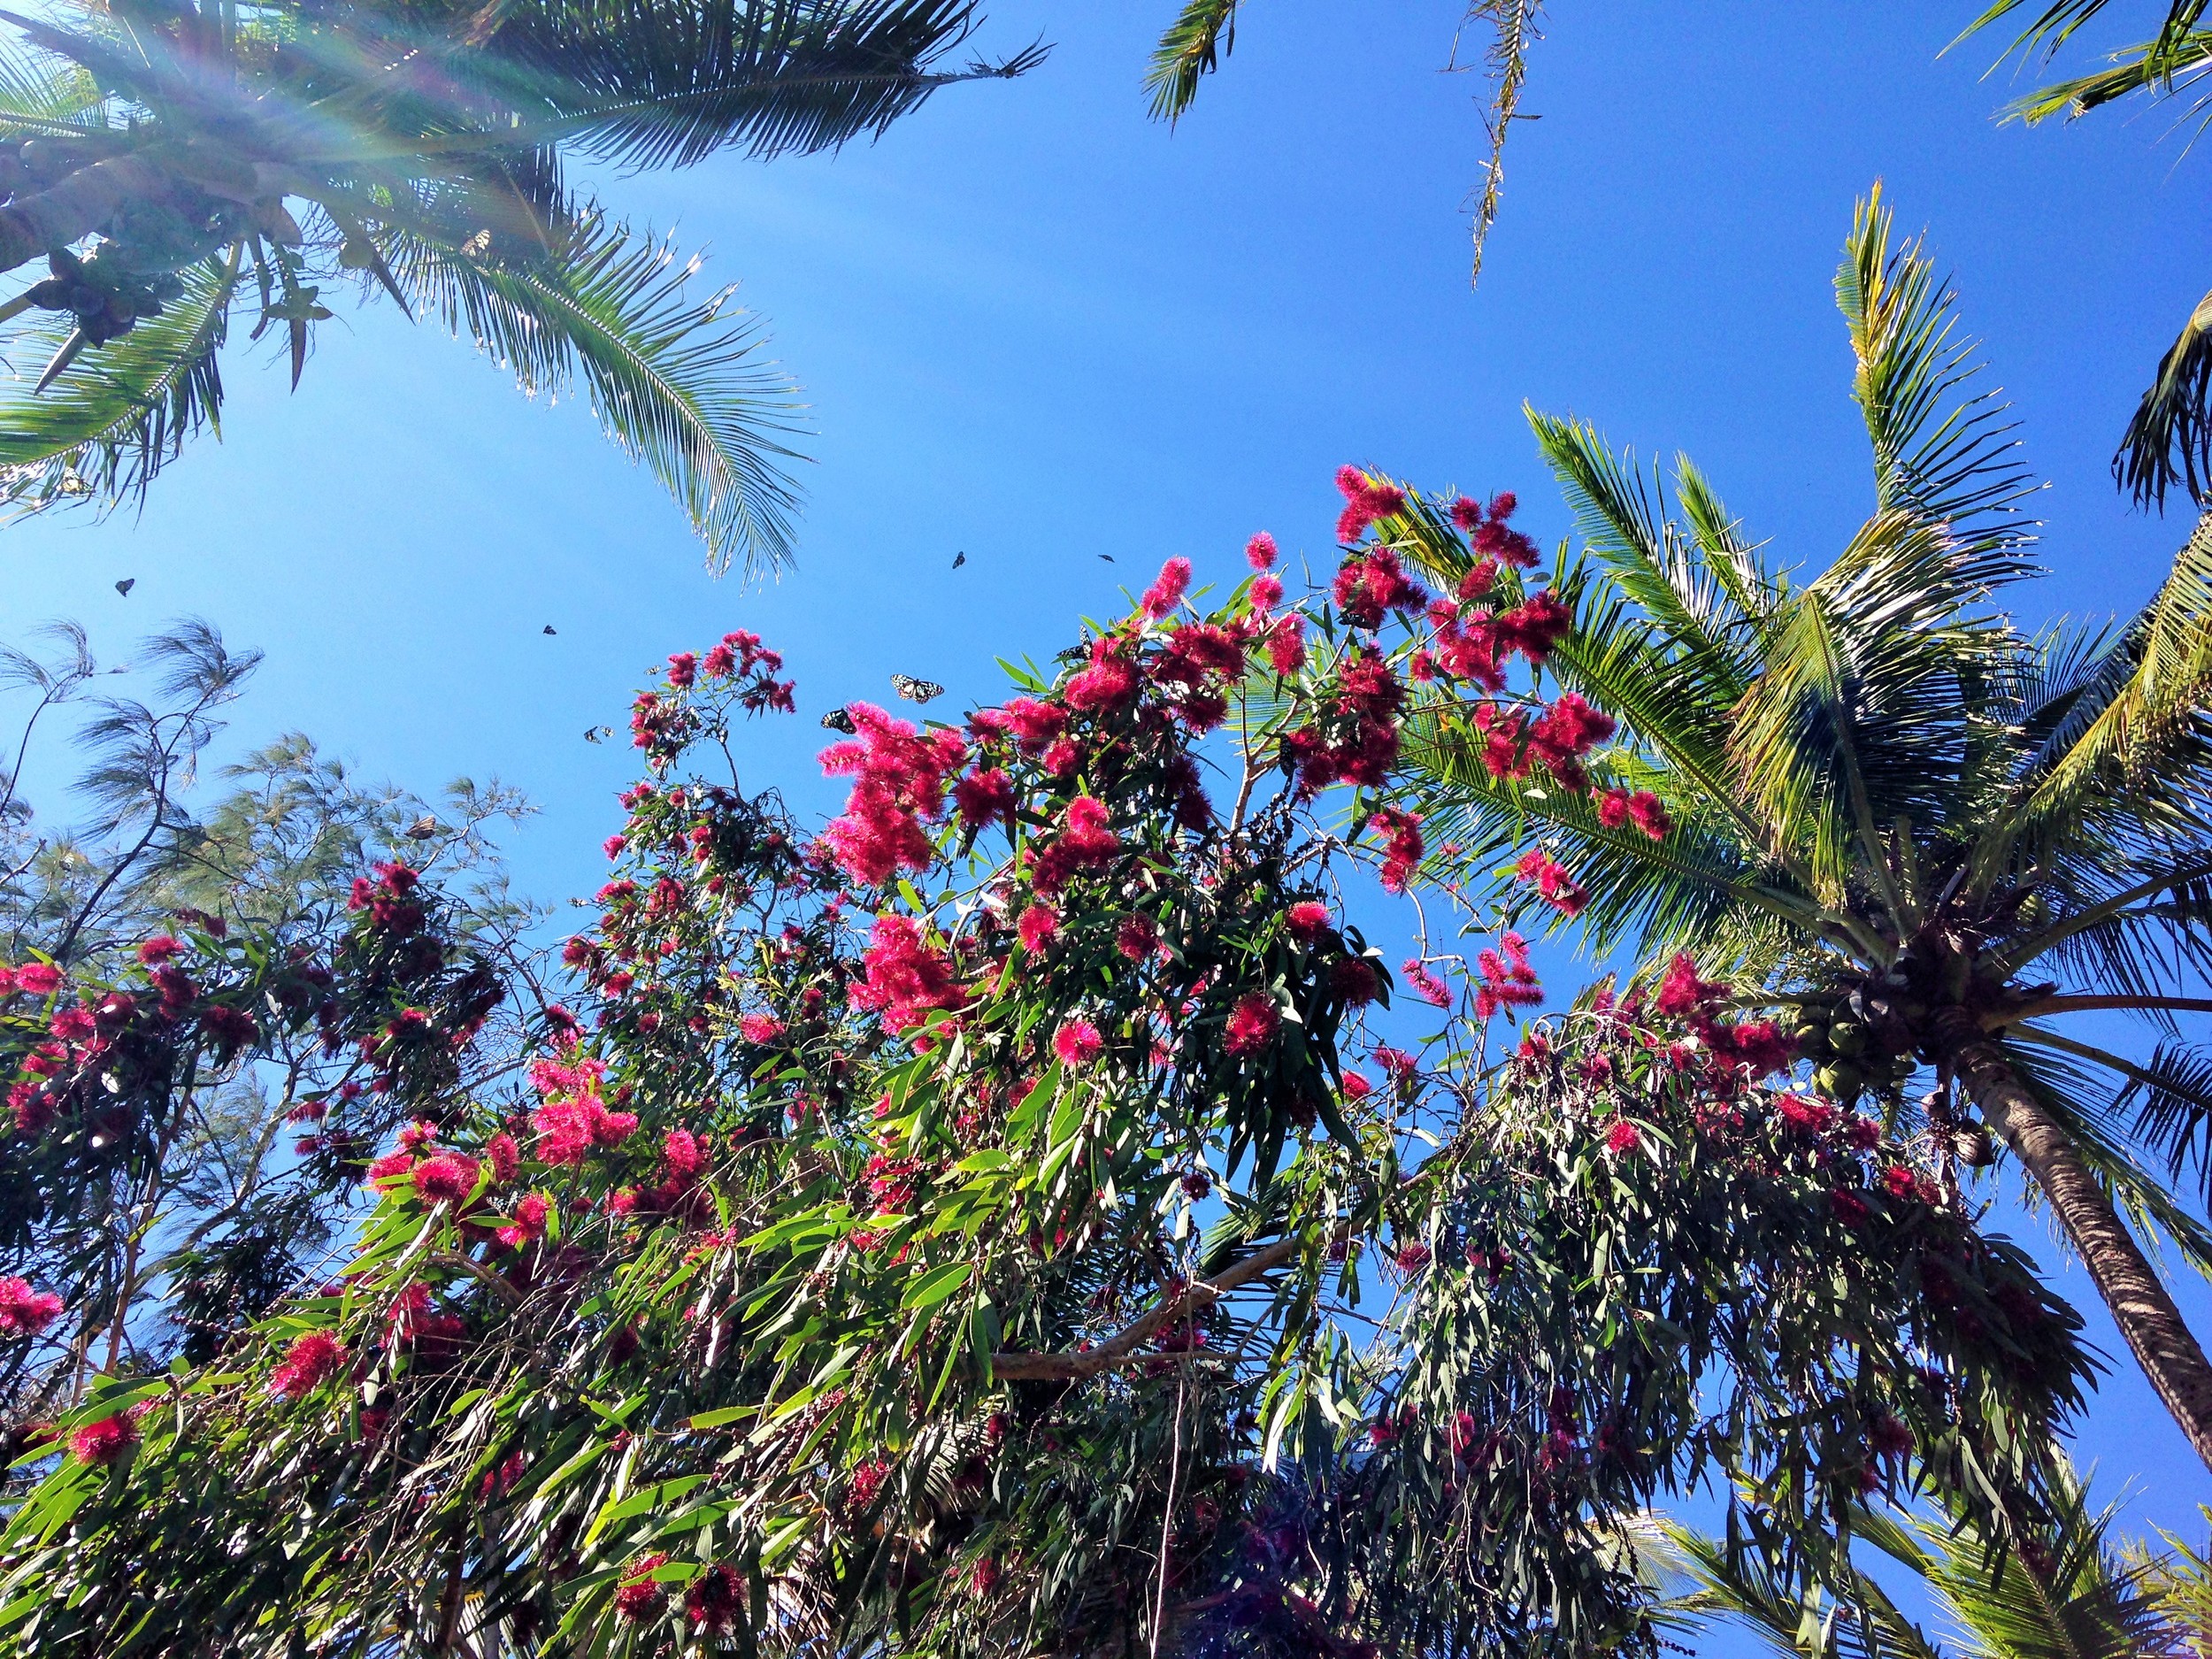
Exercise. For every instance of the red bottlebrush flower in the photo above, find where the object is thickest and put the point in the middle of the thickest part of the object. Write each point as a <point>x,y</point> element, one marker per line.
<point>1034,723</point>
<point>1354,980</point>
<point>1648,813</point>
<point>1849,1207</point>
<point>761,1028</point>
<point>1365,501</point>
<point>39,979</point>
<point>1286,644</point>
<point>683,668</point>
<point>416,1136</point>
<point>309,1362</point>
<point>1137,938</point>
<point>682,1152</point>
<point>1809,1116</point>
<point>1078,1042</point>
<point>900,779</point>
<point>1549,878</point>
<point>613,845</point>
<point>1682,993</point>
<point>904,979</point>
<point>1266,592</point>
<point>72,1025</point>
<point>25,1311</point>
<point>1109,684</point>
<point>1356,1087</point>
<point>1038,925</point>
<point>983,798</point>
<point>1167,589</point>
<point>1508,981</point>
<point>1412,1258</point>
<point>388,1171</point>
<point>1624,1138</point>
<point>230,1028</point>
<point>1567,731</point>
<point>1061,756</point>
<point>1540,622</point>
<point>102,1442</point>
<point>1467,513</point>
<point>1889,1437</point>
<point>1253,1024</point>
<point>528,1225</point>
<point>640,1597</point>
<point>159,948</point>
<point>448,1178</point>
<point>1503,504</point>
<point>867,1483</point>
<point>1403,848</point>
<point>1196,1185</point>
<point>115,1011</point>
<point>984,1578</point>
<point>712,1601</point>
<point>504,1157</point>
<point>1261,552</point>
<point>1863,1132</point>
<point>1898,1182</point>
<point>1308,921</point>
<point>1430,989</point>
<point>718,664</point>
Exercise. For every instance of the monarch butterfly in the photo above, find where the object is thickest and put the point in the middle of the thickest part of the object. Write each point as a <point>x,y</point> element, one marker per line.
<point>838,720</point>
<point>916,690</point>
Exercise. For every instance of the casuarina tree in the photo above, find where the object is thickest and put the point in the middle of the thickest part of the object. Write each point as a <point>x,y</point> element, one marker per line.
<point>1029,1214</point>
<point>1930,841</point>
<point>178,167</point>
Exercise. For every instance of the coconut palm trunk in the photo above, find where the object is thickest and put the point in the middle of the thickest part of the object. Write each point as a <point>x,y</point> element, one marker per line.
<point>2148,1320</point>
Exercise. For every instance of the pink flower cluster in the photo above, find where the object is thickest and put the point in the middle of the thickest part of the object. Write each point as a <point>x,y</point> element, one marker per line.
<point>1366,500</point>
<point>574,1118</point>
<point>1539,868</point>
<point>309,1362</point>
<point>1087,842</point>
<point>1759,1045</point>
<point>1403,848</point>
<point>903,977</point>
<point>1253,1024</point>
<point>25,1311</point>
<point>1644,809</point>
<point>1508,981</point>
<point>899,781</point>
<point>388,898</point>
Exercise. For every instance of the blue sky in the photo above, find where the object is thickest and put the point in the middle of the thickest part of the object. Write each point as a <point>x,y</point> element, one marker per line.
<point>1035,327</point>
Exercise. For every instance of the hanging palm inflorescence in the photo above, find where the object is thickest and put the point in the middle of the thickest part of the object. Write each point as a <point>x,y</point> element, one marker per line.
<point>1901,818</point>
<point>177,166</point>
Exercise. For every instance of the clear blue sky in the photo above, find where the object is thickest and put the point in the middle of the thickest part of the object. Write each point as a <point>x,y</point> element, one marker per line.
<point>1035,327</point>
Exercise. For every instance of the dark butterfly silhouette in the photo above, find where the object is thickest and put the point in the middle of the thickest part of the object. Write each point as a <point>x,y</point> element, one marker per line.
<point>424,828</point>
<point>592,733</point>
<point>838,720</point>
<point>1108,558</point>
<point>916,690</point>
<point>548,627</point>
<point>126,585</point>
<point>958,559</point>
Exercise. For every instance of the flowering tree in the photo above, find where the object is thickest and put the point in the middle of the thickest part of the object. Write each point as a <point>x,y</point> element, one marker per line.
<point>1001,1222</point>
<point>170,1163</point>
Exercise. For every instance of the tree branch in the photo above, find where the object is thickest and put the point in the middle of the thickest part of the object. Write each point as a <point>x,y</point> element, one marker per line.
<point>2084,1004</point>
<point>1091,1361</point>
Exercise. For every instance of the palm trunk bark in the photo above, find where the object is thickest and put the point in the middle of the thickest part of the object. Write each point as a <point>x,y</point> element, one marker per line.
<point>2148,1320</point>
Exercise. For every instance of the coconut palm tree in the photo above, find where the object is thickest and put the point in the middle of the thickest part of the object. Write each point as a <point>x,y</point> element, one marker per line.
<point>2062,1591</point>
<point>1929,839</point>
<point>182,164</point>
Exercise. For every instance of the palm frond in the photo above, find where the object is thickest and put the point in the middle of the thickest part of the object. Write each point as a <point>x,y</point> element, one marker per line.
<point>2144,702</point>
<point>2059,21</point>
<point>2144,68</point>
<point>2169,438</point>
<point>649,83</point>
<point>103,431</point>
<point>42,94</point>
<point>1942,452</point>
<point>1513,31</point>
<point>675,383</point>
<point>1203,33</point>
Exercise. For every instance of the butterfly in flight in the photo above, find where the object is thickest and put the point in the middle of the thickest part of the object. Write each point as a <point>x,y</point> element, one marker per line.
<point>548,627</point>
<point>958,559</point>
<point>1108,558</point>
<point>592,733</point>
<point>126,585</point>
<point>424,828</point>
<point>916,690</point>
<point>838,720</point>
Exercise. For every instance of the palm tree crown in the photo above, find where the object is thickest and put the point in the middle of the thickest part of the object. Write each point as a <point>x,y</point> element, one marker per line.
<point>177,162</point>
<point>1894,814</point>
